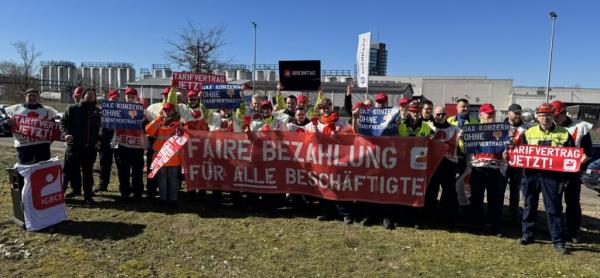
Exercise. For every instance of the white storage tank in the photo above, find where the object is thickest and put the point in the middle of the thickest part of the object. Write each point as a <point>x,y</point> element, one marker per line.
<point>260,75</point>
<point>272,75</point>
<point>330,79</point>
<point>230,75</point>
<point>346,79</point>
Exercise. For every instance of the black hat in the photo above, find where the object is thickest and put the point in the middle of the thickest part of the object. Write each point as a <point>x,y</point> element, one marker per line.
<point>514,108</point>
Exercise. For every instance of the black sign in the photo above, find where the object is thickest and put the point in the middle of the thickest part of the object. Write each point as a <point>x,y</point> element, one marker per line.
<point>300,75</point>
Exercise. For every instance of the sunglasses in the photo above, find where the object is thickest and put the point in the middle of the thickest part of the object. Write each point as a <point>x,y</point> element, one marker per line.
<point>440,114</point>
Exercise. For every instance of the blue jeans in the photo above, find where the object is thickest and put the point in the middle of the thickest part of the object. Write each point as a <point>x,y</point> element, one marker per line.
<point>168,182</point>
<point>552,204</point>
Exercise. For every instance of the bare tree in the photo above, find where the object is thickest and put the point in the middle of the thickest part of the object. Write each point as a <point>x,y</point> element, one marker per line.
<point>196,50</point>
<point>28,56</point>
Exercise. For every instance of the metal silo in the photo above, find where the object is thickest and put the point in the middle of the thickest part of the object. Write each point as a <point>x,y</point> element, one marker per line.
<point>272,75</point>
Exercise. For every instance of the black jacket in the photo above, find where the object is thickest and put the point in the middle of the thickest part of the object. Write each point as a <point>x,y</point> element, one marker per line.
<point>82,121</point>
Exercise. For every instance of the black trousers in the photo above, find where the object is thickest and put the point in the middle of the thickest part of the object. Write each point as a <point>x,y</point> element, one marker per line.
<point>130,164</point>
<point>151,184</point>
<point>106,160</point>
<point>33,153</point>
<point>79,160</point>
<point>493,181</point>
<point>515,179</point>
<point>444,176</point>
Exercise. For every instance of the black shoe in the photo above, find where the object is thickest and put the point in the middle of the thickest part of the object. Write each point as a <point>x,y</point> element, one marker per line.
<point>388,224</point>
<point>560,247</point>
<point>89,201</point>
<point>122,200</point>
<point>73,194</point>
<point>348,220</point>
<point>525,241</point>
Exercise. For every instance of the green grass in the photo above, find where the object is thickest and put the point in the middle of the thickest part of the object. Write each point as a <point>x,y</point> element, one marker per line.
<point>142,240</point>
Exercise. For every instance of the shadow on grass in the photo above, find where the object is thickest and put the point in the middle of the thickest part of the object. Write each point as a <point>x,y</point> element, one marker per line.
<point>99,230</point>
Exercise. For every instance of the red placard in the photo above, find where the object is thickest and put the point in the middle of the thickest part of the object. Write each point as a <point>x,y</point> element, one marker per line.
<point>36,129</point>
<point>194,81</point>
<point>559,159</point>
<point>388,170</point>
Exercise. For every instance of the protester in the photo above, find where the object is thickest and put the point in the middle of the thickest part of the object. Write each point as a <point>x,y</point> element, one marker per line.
<point>427,107</point>
<point>513,174</point>
<point>30,150</point>
<point>81,126</point>
<point>106,151</point>
<point>329,123</point>
<point>462,118</point>
<point>413,125</point>
<point>286,108</point>
<point>162,128</point>
<point>445,173</point>
<point>551,184</point>
<point>299,120</point>
<point>580,132</point>
<point>267,121</point>
<point>488,174</point>
<point>130,145</point>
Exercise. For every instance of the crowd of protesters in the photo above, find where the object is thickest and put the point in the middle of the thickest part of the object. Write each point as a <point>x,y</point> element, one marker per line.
<point>490,174</point>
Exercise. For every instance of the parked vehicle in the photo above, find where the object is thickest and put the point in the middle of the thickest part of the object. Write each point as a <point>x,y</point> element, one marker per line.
<point>3,130</point>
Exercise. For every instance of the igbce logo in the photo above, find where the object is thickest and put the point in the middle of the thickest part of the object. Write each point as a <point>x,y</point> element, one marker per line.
<point>418,158</point>
<point>46,187</point>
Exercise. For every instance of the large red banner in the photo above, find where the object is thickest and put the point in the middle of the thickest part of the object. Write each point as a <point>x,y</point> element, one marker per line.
<point>387,170</point>
<point>36,129</point>
<point>194,81</point>
<point>559,159</point>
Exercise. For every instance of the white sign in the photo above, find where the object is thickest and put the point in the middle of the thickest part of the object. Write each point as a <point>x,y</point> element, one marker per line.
<point>362,59</point>
<point>43,197</point>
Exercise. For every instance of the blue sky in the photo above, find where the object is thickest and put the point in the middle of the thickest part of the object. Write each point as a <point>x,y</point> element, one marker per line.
<point>498,39</point>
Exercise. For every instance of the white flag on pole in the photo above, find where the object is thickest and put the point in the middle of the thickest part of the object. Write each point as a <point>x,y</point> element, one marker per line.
<point>362,59</point>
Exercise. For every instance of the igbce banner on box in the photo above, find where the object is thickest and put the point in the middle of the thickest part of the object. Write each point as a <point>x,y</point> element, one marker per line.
<point>300,75</point>
<point>387,170</point>
<point>35,129</point>
<point>217,96</point>
<point>125,115</point>
<point>378,121</point>
<point>486,138</point>
<point>194,81</point>
<point>559,159</point>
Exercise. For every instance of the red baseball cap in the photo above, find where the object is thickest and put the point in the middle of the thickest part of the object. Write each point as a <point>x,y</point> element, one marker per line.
<point>487,108</point>
<point>266,103</point>
<point>168,106</point>
<point>166,91</point>
<point>113,94</point>
<point>403,101</point>
<point>545,108</point>
<point>558,106</point>
<point>301,98</point>
<point>192,93</point>
<point>357,105</point>
<point>414,106</point>
<point>78,91</point>
<point>381,97</point>
<point>130,91</point>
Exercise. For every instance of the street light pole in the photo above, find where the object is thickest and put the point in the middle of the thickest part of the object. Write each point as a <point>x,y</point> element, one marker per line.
<point>553,15</point>
<point>254,63</point>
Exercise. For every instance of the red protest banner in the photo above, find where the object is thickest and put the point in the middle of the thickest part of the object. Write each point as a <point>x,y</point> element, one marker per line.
<point>388,170</point>
<point>36,129</point>
<point>194,81</point>
<point>168,150</point>
<point>559,159</point>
